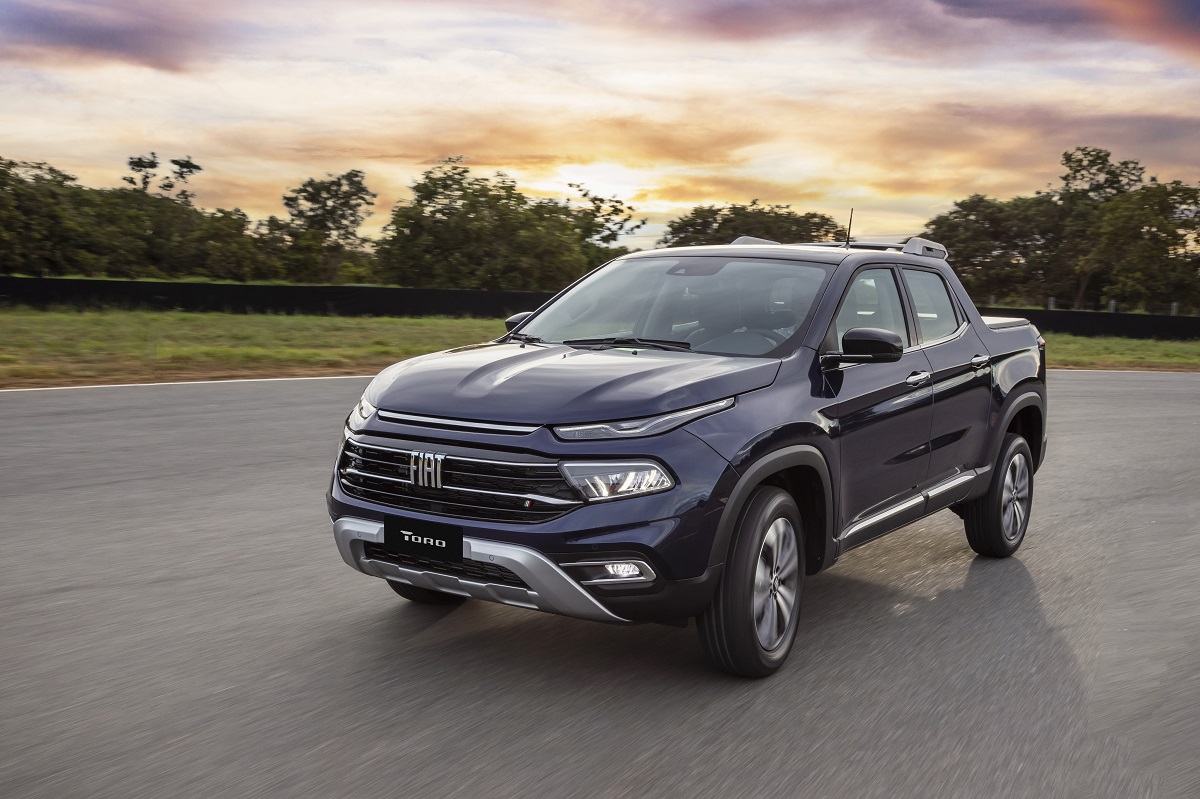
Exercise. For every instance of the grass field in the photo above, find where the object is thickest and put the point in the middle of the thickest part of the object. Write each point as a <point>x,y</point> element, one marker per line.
<point>46,348</point>
<point>59,348</point>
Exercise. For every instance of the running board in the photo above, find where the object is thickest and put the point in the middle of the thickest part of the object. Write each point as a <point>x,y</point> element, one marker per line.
<point>898,515</point>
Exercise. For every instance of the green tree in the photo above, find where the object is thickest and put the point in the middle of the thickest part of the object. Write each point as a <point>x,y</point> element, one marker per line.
<point>599,222</point>
<point>221,248</point>
<point>1091,171</point>
<point>38,226</point>
<point>144,169</point>
<point>1146,240</point>
<point>982,235</point>
<point>145,175</point>
<point>1091,180</point>
<point>465,231</point>
<point>1042,246</point>
<point>712,224</point>
<point>325,218</point>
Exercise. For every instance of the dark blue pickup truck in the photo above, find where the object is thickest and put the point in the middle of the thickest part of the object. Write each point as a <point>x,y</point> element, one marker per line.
<point>689,433</point>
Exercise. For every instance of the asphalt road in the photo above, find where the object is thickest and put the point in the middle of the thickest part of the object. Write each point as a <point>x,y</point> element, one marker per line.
<point>175,622</point>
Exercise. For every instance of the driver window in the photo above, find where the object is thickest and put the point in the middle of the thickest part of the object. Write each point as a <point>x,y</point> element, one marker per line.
<point>873,300</point>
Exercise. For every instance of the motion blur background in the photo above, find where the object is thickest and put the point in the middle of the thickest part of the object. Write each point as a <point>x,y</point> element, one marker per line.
<point>307,140</point>
<point>174,619</point>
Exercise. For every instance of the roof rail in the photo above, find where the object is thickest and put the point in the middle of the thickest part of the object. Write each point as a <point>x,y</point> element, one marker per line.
<point>914,246</point>
<point>752,240</point>
<point>860,245</point>
<point>931,249</point>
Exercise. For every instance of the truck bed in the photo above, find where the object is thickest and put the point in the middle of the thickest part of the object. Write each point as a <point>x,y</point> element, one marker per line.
<point>1003,322</point>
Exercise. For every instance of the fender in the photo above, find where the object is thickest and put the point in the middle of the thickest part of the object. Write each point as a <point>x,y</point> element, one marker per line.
<point>1033,398</point>
<point>764,467</point>
<point>1022,402</point>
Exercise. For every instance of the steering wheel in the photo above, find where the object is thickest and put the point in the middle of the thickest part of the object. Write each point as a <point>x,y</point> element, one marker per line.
<point>745,342</point>
<point>771,334</point>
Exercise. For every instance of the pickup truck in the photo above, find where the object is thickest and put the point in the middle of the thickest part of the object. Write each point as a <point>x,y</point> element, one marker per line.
<point>690,433</point>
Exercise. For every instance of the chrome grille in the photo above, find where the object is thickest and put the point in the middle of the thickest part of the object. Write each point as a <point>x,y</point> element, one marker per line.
<point>471,488</point>
<point>500,428</point>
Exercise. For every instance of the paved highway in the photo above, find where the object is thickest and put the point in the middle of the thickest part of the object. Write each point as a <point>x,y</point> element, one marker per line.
<point>175,622</point>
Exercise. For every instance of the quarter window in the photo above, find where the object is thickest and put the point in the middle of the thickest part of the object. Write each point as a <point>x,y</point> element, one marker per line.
<point>873,300</point>
<point>931,301</point>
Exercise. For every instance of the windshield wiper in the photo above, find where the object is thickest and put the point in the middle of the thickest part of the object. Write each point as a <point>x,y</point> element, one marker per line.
<point>618,341</point>
<point>525,338</point>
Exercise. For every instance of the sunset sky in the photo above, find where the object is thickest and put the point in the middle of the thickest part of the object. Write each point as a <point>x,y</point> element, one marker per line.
<point>896,108</point>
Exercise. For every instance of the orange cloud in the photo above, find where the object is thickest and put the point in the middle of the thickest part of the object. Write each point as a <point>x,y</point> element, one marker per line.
<point>1175,22</point>
<point>960,149</point>
<point>938,152</point>
<point>515,140</point>
<point>720,189</point>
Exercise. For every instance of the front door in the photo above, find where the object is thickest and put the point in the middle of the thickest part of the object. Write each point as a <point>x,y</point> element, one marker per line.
<point>883,414</point>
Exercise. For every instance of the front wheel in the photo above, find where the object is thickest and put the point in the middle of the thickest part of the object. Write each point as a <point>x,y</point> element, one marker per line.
<point>750,626</point>
<point>996,522</point>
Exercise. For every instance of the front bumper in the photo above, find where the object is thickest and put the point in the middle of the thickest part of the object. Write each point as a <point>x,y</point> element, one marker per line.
<point>550,589</point>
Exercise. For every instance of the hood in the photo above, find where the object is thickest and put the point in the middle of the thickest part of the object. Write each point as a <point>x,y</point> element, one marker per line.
<point>557,384</point>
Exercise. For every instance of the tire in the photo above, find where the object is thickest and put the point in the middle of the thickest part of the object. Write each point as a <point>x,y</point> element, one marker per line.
<point>424,595</point>
<point>997,521</point>
<point>750,627</point>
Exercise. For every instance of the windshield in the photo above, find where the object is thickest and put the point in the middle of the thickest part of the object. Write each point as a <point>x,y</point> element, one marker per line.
<point>713,304</point>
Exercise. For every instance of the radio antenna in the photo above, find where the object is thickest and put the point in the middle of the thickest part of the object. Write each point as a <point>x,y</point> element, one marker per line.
<point>848,226</point>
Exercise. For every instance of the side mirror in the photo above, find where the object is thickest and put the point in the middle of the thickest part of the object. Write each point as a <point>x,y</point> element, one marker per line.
<point>866,345</point>
<point>511,322</point>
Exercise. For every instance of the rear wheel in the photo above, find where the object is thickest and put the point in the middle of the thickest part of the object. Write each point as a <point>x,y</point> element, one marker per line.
<point>750,626</point>
<point>996,522</point>
<point>424,595</point>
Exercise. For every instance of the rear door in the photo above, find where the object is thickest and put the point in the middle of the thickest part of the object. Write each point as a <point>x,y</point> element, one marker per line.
<point>961,384</point>
<point>883,414</point>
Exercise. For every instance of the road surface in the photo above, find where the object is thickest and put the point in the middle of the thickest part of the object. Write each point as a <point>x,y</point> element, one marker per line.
<point>175,621</point>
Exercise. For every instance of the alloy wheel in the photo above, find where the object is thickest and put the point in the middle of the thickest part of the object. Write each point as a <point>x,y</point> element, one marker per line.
<point>776,584</point>
<point>1014,501</point>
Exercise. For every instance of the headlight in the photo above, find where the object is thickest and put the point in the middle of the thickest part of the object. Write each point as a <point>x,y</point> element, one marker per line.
<point>616,479</point>
<point>361,413</point>
<point>636,428</point>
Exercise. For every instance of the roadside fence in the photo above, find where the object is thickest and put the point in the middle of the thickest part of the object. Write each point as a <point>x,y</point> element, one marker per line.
<point>41,292</point>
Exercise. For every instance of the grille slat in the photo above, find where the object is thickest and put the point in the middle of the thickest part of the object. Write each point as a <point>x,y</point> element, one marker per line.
<point>480,489</point>
<point>469,569</point>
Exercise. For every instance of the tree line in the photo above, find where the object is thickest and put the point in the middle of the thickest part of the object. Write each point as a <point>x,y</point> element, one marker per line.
<point>1104,233</point>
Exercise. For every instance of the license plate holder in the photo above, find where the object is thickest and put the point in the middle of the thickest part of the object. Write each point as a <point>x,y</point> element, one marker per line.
<point>422,539</point>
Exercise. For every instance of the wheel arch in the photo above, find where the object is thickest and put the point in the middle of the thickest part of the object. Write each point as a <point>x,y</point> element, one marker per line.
<point>1030,424</point>
<point>800,470</point>
<point>1025,415</point>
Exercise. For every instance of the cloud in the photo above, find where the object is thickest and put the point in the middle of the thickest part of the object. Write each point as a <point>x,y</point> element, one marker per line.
<point>161,35</point>
<point>1061,15</point>
<point>515,140</point>
<point>1003,150</point>
<point>919,29</point>
<point>910,165</point>
<point>721,189</point>
<point>915,27</point>
<point>1174,22</point>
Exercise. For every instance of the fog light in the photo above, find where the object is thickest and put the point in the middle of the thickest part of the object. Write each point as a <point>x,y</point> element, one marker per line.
<point>607,572</point>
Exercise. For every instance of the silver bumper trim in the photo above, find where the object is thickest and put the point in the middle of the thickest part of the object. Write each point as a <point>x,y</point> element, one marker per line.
<point>550,589</point>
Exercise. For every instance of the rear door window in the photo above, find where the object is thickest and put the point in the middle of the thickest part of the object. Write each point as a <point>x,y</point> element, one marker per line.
<point>936,314</point>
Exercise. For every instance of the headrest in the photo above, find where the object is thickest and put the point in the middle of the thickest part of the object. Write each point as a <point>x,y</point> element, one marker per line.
<point>771,320</point>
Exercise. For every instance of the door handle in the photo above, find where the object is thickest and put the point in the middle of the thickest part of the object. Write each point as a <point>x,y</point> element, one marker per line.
<point>980,361</point>
<point>917,378</point>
